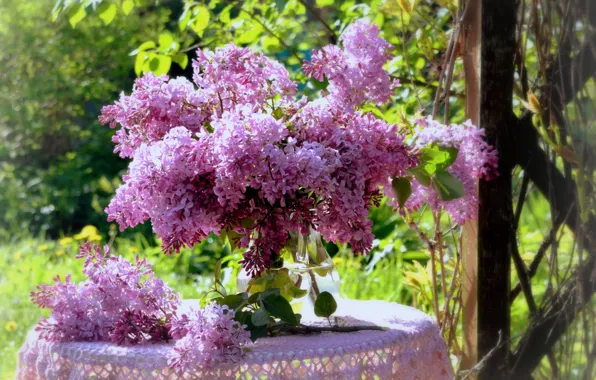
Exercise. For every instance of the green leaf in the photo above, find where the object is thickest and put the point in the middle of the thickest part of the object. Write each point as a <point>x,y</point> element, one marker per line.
<point>184,19</point>
<point>143,47</point>
<point>257,332</point>
<point>234,12</point>
<point>447,186</point>
<point>405,5</point>
<point>107,12</point>
<point>325,305</point>
<point>217,270</point>
<point>281,4</point>
<point>127,6</point>
<point>435,158</point>
<point>268,292</point>
<point>277,306</point>
<point>201,19</point>
<point>324,3</point>
<point>323,271</point>
<point>165,41</point>
<point>79,14</point>
<point>56,11</point>
<point>181,59</point>
<point>425,44</point>
<point>421,176</point>
<point>374,110</point>
<point>402,189</point>
<point>270,42</point>
<point>260,318</point>
<point>286,286</point>
<point>233,301</point>
<point>250,35</point>
<point>254,297</point>
<point>140,62</point>
<point>160,64</point>
<point>245,318</point>
<point>278,113</point>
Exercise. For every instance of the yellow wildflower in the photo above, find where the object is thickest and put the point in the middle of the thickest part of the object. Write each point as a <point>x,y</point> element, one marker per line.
<point>134,250</point>
<point>43,247</point>
<point>10,326</point>
<point>65,241</point>
<point>89,233</point>
<point>60,252</point>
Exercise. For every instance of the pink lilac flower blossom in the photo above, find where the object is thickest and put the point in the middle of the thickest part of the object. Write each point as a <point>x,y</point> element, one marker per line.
<point>208,337</point>
<point>120,301</point>
<point>355,73</point>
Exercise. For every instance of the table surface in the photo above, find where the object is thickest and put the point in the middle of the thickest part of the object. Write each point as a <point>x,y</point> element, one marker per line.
<point>412,348</point>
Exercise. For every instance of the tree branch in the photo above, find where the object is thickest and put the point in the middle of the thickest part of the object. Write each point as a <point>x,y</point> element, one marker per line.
<point>558,312</point>
<point>534,264</point>
<point>303,329</point>
<point>332,35</point>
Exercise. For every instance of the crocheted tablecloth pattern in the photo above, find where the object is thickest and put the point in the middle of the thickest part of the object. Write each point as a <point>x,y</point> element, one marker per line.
<point>411,348</point>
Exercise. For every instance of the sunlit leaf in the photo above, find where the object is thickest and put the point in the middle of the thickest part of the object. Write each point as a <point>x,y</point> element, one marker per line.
<point>107,12</point>
<point>434,158</point>
<point>250,35</point>
<point>79,14</point>
<point>140,62</point>
<point>181,59</point>
<point>184,19</point>
<point>200,20</point>
<point>405,5</point>
<point>127,6</point>
<point>324,3</point>
<point>160,64</point>
<point>165,41</point>
<point>143,47</point>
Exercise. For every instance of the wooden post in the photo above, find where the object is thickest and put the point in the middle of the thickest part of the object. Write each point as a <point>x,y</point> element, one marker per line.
<point>496,237</point>
<point>471,30</point>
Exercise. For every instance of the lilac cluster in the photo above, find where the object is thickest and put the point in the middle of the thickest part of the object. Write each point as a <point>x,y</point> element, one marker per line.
<point>207,337</point>
<point>355,73</point>
<point>237,150</point>
<point>121,302</point>
<point>476,159</point>
<point>224,78</point>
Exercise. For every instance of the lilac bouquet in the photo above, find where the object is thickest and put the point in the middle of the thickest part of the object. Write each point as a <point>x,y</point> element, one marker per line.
<point>238,152</point>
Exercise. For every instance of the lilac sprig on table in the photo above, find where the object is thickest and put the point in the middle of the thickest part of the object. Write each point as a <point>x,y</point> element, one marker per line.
<point>120,301</point>
<point>207,337</point>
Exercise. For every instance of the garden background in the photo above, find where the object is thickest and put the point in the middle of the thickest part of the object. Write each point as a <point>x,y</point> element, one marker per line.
<point>59,64</point>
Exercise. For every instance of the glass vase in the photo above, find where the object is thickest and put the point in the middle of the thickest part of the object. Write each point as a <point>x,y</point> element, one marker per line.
<point>304,270</point>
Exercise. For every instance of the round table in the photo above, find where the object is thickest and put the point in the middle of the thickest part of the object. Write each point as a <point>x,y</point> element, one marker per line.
<point>412,348</point>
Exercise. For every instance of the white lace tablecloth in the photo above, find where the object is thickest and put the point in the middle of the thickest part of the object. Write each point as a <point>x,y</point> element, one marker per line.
<point>412,348</point>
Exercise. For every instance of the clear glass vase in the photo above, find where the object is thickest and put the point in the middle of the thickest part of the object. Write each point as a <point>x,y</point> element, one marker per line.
<point>303,270</point>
